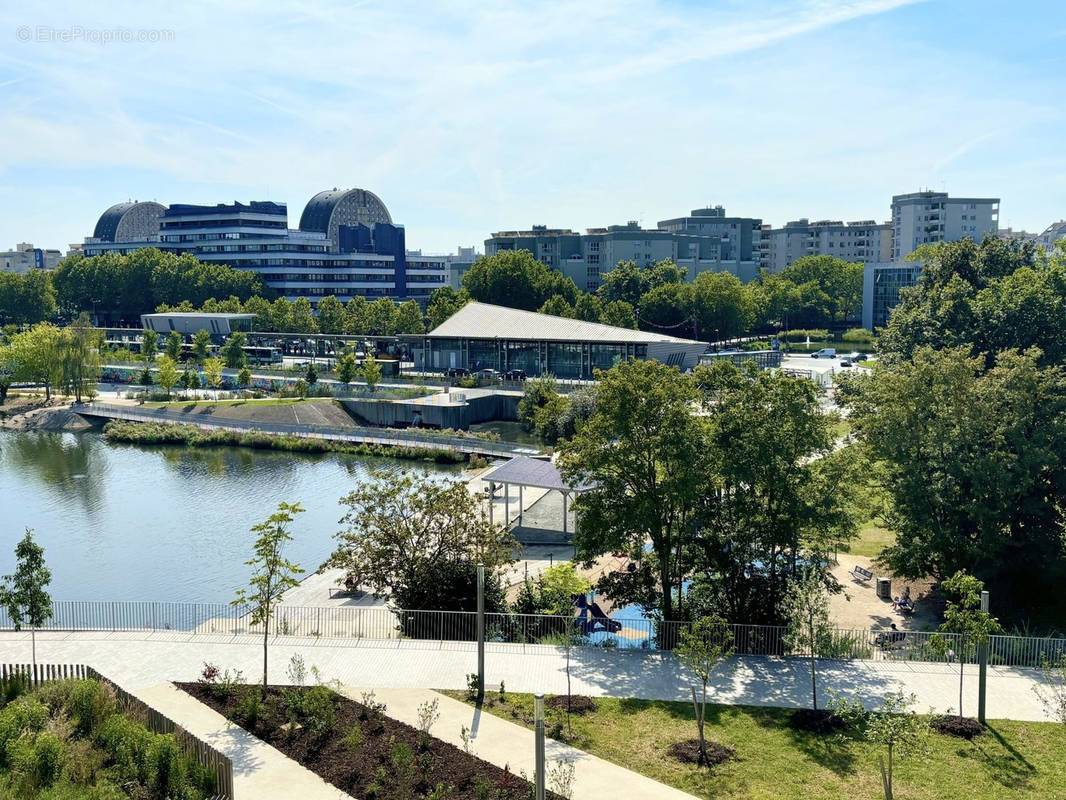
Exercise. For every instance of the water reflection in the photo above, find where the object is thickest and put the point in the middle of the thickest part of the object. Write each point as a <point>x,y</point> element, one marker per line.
<point>164,523</point>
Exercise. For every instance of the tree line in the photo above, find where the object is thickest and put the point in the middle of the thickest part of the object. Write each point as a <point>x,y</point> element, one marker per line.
<point>812,292</point>
<point>64,360</point>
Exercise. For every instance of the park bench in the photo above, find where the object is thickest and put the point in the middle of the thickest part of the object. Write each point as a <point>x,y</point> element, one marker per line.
<point>860,573</point>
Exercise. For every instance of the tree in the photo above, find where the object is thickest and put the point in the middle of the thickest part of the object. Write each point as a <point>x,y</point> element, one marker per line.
<point>26,299</point>
<point>8,367</point>
<point>409,318</point>
<point>722,306</point>
<point>311,375</point>
<point>81,344</point>
<point>516,279</point>
<point>444,302</point>
<point>371,371</point>
<point>346,368</point>
<point>173,345</point>
<point>39,356</point>
<point>966,628</point>
<point>668,308</point>
<point>626,282</point>
<point>281,315</point>
<point>702,648</point>
<point>232,350</point>
<point>620,314</point>
<point>272,573</point>
<point>588,308</point>
<point>415,540</point>
<point>357,316</point>
<point>1052,693</point>
<point>382,315</point>
<point>244,378</point>
<point>201,346</point>
<point>167,374</point>
<point>330,315</point>
<point>805,608</point>
<point>536,393</point>
<point>302,317</point>
<point>894,726</point>
<point>213,372</point>
<point>639,452</point>
<point>264,320</point>
<point>974,462</point>
<point>556,306</point>
<point>836,283</point>
<point>149,346</point>
<point>25,592</point>
<point>774,490</point>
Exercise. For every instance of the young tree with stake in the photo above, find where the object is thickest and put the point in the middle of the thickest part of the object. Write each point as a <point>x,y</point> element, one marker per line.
<point>806,609</point>
<point>966,628</point>
<point>702,648</point>
<point>25,593</point>
<point>273,573</point>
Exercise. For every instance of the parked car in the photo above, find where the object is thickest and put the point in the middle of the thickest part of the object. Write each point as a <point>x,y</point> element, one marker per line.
<point>845,362</point>
<point>457,372</point>
<point>825,352</point>
<point>515,375</point>
<point>488,374</point>
<point>859,356</point>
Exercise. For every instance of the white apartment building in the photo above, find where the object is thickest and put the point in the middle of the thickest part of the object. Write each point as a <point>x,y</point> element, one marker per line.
<point>927,217</point>
<point>26,257</point>
<point>862,242</point>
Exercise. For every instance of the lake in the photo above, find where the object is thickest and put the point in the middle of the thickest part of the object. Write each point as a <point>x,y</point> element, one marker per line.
<point>121,522</point>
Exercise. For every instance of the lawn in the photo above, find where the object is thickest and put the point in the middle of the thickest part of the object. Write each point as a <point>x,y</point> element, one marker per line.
<point>1011,760</point>
<point>872,539</point>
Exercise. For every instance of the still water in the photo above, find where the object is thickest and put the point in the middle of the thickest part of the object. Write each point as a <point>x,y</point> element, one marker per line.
<point>122,522</point>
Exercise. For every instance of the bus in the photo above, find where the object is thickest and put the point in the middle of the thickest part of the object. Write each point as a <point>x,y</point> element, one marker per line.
<point>262,355</point>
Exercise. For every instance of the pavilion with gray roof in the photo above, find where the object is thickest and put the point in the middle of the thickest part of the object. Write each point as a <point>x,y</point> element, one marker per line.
<point>536,473</point>
<point>482,336</point>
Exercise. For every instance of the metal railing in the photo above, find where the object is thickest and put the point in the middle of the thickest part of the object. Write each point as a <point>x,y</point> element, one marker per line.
<point>388,437</point>
<point>381,623</point>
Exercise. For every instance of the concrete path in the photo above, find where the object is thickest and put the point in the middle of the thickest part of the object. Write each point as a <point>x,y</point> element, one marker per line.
<point>145,659</point>
<point>506,744</point>
<point>259,771</point>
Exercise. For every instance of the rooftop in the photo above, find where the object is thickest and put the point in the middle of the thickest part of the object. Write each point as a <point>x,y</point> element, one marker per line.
<point>199,315</point>
<point>484,321</point>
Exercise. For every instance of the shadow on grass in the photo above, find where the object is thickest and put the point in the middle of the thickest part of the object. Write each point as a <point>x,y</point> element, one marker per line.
<point>1003,762</point>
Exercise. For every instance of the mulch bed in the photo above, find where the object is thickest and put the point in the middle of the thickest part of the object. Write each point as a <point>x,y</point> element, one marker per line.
<point>579,704</point>
<point>688,752</point>
<point>377,767</point>
<point>815,721</point>
<point>962,727</point>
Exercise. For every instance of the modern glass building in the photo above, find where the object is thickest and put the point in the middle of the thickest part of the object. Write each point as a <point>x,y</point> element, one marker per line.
<point>482,336</point>
<point>881,286</point>
<point>346,245</point>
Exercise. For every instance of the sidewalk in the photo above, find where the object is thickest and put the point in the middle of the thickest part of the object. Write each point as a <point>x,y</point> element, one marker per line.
<point>259,771</point>
<point>508,745</point>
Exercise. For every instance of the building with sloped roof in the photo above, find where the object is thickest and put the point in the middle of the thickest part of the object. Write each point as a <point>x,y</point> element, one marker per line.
<point>482,336</point>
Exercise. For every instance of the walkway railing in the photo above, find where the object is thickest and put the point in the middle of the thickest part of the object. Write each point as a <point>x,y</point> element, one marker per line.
<point>378,622</point>
<point>364,435</point>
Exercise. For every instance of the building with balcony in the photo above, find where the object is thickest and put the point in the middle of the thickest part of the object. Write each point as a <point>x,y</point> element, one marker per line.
<point>346,245</point>
<point>928,217</point>
<point>861,242</point>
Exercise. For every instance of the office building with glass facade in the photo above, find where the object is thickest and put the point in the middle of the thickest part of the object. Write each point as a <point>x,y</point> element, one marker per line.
<point>881,286</point>
<point>482,336</point>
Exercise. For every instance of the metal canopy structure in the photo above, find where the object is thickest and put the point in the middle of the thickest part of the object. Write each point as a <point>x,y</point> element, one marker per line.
<point>522,471</point>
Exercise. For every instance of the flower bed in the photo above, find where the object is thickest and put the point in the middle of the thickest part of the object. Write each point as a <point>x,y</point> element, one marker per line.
<point>355,746</point>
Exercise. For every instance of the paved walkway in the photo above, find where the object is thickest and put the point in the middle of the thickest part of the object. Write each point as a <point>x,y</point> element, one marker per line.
<point>506,744</point>
<point>259,771</point>
<point>146,659</point>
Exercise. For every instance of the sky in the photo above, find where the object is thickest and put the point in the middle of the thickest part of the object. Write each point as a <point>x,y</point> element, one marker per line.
<point>473,117</point>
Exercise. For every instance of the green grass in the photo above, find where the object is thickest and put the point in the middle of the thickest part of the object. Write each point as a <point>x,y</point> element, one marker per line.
<point>873,538</point>
<point>1012,760</point>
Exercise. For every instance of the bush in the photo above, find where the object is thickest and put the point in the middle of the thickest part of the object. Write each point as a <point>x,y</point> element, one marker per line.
<point>317,712</point>
<point>128,743</point>
<point>801,334</point>
<point>27,714</point>
<point>89,704</point>
<point>42,760</point>
<point>249,707</point>
<point>860,335</point>
<point>166,767</point>
<point>961,727</point>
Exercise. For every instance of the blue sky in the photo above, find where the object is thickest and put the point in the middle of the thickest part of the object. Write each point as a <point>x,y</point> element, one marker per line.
<point>470,117</point>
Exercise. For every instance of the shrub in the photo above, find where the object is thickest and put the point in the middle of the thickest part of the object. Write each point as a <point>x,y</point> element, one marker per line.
<point>249,707</point>
<point>166,767</point>
<point>13,688</point>
<point>37,761</point>
<point>27,714</point>
<point>962,727</point>
<point>353,740</point>
<point>318,713</point>
<point>128,743</point>
<point>89,704</point>
<point>861,335</point>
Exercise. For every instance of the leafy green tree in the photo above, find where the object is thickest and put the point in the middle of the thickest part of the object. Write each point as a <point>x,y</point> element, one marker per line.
<point>553,591</point>
<point>232,350</point>
<point>81,344</point>
<point>272,573</point>
<point>26,299</point>
<point>311,375</point>
<point>516,279</point>
<point>244,378</point>
<point>625,282</point>
<point>264,318</point>
<point>371,371</point>
<point>382,314</point>
<point>8,367</point>
<point>588,308</point>
<point>409,318</point>
<point>805,608</point>
<point>281,316</point>
<point>702,649</point>
<point>302,317</point>
<point>330,315</point>
<point>39,356</point>
<point>556,306</point>
<point>149,346</point>
<point>25,592</point>
<point>357,316</point>
<point>966,628</point>
<point>835,283</point>
<point>620,314</point>
<point>640,453</point>
<point>201,346</point>
<point>894,726</point>
<point>167,374</point>
<point>346,368</point>
<point>536,393</point>
<point>774,489</point>
<point>444,302</point>
<point>722,306</point>
<point>410,538</point>
<point>173,345</point>
<point>974,461</point>
<point>213,372</point>
<point>668,308</point>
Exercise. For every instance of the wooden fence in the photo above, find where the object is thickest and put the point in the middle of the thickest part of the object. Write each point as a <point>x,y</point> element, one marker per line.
<point>36,675</point>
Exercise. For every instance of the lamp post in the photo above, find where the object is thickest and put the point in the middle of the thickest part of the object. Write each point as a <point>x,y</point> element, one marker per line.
<point>982,665</point>
<point>538,715</point>
<point>480,633</point>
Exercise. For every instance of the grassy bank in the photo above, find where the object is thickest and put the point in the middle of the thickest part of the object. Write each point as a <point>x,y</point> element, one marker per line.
<point>156,433</point>
<point>774,760</point>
